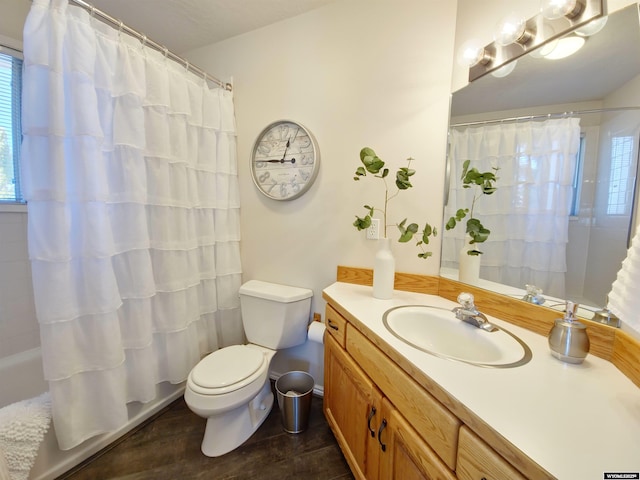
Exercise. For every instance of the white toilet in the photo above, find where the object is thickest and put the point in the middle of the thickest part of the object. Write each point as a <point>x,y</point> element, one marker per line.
<point>230,387</point>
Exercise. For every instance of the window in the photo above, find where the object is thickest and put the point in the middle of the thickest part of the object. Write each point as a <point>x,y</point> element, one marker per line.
<point>10,126</point>
<point>577,177</point>
<point>620,178</point>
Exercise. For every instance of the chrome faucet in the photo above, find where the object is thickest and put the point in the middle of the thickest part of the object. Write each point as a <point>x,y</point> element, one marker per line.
<point>534,295</point>
<point>467,312</point>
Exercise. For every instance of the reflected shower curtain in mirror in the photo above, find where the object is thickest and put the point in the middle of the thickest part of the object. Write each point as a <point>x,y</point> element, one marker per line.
<point>528,215</point>
<point>129,166</point>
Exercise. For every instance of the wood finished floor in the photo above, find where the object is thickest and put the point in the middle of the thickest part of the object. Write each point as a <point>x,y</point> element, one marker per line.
<point>169,448</point>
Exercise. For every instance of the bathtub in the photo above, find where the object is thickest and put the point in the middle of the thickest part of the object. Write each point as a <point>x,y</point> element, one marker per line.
<point>21,377</point>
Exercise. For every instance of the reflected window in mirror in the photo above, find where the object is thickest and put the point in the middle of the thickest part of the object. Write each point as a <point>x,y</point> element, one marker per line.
<point>577,178</point>
<point>620,185</point>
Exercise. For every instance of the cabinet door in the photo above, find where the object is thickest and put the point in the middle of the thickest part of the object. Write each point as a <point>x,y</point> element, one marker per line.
<point>477,460</point>
<point>352,407</point>
<point>404,454</point>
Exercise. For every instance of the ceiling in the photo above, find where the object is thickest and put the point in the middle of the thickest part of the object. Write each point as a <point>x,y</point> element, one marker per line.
<point>180,25</point>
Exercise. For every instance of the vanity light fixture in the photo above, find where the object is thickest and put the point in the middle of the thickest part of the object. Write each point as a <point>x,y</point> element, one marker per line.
<point>517,37</point>
<point>554,9</point>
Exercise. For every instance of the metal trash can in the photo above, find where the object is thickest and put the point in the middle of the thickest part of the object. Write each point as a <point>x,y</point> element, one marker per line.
<point>295,391</point>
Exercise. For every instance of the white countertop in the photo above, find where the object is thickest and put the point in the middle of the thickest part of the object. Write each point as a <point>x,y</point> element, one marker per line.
<point>575,421</point>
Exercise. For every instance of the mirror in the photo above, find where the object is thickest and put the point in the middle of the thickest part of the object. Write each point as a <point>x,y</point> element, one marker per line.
<point>600,86</point>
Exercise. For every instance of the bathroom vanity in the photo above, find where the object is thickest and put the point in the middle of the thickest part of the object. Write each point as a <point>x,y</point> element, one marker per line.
<point>398,412</point>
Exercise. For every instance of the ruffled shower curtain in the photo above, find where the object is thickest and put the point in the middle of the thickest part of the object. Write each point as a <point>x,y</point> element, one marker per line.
<point>528,215</point>
<point>130,174</point>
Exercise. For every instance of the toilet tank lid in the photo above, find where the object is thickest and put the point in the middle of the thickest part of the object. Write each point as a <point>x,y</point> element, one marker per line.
<point>274,291</point>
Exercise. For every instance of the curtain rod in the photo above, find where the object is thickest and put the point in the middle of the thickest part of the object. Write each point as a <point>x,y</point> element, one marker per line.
<point>145,41</point>
<point>543,116</point>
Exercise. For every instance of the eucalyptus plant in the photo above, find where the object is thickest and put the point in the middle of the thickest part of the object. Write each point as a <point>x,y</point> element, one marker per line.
<point>374,165</point>
<point>484,184</point>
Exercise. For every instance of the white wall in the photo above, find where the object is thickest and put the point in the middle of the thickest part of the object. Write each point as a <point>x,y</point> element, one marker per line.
<point>356,73</point>
<point>19,328</point>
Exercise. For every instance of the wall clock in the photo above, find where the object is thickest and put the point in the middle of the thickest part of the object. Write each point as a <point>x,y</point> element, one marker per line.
<point>285,160</point>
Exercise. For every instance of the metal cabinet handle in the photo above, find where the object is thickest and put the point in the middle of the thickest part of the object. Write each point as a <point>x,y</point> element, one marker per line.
<point>332,325</point>
<point>371,414</point>
<point>383,425</point>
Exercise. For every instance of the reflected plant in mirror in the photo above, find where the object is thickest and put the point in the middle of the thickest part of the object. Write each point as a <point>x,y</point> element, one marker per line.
<point>375,166</point>
<point>484,183</point>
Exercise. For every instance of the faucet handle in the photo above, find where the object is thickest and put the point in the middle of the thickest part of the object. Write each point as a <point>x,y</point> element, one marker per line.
<point>533,290</point>
<point>466,300</point>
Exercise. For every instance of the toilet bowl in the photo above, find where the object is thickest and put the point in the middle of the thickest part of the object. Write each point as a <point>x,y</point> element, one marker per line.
<point>234,407</point>
<point>230,387</point>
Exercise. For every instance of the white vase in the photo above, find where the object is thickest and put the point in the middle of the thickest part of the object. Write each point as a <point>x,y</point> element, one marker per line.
<point>468,265</point>
<point>384,270</point>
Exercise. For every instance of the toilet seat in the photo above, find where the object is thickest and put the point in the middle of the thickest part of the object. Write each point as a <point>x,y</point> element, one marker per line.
<point>227,370</point>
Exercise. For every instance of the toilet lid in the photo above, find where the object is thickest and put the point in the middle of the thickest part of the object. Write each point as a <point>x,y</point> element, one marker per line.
<point>227,366</point>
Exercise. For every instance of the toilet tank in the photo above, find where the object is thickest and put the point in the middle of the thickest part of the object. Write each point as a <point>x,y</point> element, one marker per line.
<point>275,316</point>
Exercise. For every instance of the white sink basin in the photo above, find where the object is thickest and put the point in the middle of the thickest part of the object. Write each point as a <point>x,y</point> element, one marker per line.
<point>438,332</point>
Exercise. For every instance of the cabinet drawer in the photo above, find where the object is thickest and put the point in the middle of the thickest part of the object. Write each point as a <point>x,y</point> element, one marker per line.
<point>433,422</point>
<point>476,460</point>
<point>336,325</point>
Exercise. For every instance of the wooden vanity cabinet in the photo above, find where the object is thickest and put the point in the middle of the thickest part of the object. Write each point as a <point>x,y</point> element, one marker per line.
<point>376,440</point>
<point>390,427</point>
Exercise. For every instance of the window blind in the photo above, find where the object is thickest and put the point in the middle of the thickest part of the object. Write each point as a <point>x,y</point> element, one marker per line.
<point>10,125</point>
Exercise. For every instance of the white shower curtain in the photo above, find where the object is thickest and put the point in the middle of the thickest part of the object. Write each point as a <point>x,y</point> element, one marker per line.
<point>130,174</point>
<point>528,215</point>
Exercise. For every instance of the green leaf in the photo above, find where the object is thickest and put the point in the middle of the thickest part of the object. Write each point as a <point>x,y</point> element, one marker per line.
<point>451,224</point>
<point>477,231</point>
<point>385,172</point>
<point>427,232</point>
<point>407,233</point>
<point>425,255</point>
<point>361,172</point>
<point>461,213</point>
<point>465,167</point>
<point>366,152</point>
<point>402,178</point>
<point>372,163</point>
<point>362,223</point>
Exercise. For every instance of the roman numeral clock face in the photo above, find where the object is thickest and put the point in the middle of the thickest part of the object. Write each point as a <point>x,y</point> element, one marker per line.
<point>285,160</point>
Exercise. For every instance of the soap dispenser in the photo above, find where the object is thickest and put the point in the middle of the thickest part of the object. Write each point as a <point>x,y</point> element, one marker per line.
<point>568,339</point>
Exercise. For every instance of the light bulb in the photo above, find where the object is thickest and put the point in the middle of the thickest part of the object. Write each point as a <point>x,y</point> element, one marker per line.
<point>511,29</point>
<point>471,53</point>
<point>553,9</point>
